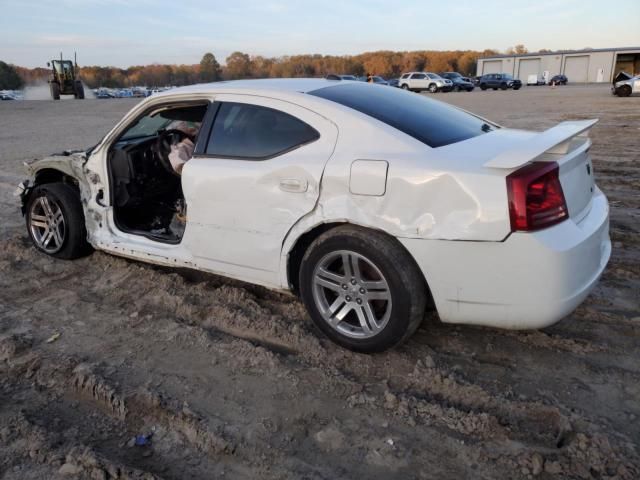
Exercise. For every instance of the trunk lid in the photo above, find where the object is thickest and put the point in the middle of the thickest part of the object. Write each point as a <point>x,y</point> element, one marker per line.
<point>568,145</point>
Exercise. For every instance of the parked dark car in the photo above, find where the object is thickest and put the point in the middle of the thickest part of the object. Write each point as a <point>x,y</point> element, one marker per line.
<point>394,82</point>
<point>558,80</point>
<point>500,81</point>
<point>379,80</point>
<point>459,82</point>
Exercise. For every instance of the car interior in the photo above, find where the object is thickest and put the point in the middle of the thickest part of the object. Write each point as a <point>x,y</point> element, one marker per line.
<point>146,190</point>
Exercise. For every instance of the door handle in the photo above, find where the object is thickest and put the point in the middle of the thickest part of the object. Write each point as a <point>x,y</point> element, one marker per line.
<point>294,185</point>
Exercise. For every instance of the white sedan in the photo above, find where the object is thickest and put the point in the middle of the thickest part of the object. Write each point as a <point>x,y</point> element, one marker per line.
<point>373,204</point>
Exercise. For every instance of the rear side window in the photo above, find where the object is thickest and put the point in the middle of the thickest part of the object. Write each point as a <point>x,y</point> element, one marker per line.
<point>250,131</point>
<point>418,76</point>
<point>432,122</point>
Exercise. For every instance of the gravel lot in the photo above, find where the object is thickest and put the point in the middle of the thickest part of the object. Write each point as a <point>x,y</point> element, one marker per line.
<point>232,380</point>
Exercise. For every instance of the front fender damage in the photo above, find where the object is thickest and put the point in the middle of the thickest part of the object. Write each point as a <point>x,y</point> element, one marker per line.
<point>71,167</point>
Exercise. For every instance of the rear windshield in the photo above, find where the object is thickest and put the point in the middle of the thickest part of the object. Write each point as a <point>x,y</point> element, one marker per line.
<point>432,122</point>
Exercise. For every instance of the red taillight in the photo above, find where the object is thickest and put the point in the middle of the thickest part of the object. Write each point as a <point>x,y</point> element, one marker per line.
<point>536,199</point>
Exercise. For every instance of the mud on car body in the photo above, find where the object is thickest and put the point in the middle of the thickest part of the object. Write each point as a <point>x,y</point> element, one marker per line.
<point>372,204</point>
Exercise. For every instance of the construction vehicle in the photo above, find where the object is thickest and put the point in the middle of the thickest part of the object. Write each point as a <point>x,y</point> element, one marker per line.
<point>63,78</point>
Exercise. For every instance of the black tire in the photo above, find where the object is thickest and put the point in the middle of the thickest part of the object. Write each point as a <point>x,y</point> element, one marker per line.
<point>624,91</point>
<point>456,88</point>
<point>470,89</point>
<point>503,86</point>
<point>433,88</point>
<point>495,88</point>
<point>406,287</point>
<point>74,242</point>
<point>483,87</point>
<point>516,88</point>
<point>405,86</point>
<point>79,90</point>
<point>55,91</point>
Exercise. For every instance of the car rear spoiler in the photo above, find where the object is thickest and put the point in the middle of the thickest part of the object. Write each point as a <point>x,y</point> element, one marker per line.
<point>557,140</point>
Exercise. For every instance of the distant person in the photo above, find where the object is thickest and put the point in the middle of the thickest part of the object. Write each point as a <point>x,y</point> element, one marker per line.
<point>369,78</point>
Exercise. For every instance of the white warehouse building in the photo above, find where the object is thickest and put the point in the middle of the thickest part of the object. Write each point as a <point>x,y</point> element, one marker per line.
<point>580,66</point>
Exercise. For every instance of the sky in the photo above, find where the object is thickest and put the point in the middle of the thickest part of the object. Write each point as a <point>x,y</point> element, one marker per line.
<point>122,33</point>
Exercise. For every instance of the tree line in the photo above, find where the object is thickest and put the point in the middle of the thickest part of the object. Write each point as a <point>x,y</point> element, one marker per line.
<point>388,64</point>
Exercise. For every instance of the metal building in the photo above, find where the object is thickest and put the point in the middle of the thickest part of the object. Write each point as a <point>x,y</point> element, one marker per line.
<point>580,66</point>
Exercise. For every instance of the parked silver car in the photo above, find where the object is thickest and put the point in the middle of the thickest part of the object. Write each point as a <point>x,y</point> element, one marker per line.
<point>626,85</point>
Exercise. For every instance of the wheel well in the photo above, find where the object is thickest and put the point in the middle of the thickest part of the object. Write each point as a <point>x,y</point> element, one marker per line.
<point>302,244</point>
<point>300,248</point>
<point>51,175</point>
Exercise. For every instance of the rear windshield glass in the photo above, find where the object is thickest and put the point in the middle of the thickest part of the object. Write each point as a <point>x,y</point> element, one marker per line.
<point>432,122</point>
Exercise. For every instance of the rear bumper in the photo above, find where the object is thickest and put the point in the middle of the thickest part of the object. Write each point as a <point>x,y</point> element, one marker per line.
<point>530,280</point>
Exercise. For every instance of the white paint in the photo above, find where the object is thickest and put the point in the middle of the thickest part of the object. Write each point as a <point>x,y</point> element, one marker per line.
<point>447,206</point>
<point>368,177</point>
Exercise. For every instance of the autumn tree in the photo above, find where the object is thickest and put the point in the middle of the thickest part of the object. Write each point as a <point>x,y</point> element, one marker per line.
<point>209,68</point>
<point>9,78</point>
<point>238,65</point>
<point>467,63</point>
<point>517,50</point>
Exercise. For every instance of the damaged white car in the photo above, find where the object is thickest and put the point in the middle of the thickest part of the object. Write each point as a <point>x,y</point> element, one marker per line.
<point>625,85</point>
<point>373,204</point>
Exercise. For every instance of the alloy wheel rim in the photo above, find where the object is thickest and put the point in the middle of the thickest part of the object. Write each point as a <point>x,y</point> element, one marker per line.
<point>351,294</point>
<point>47,225</point>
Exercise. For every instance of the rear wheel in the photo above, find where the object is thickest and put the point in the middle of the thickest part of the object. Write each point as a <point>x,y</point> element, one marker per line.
<point>483,86</point>
<point>55,221</point>
<point>55,91</point>
<point>362,289</point>
<point>433,88</point>
<point>503,86</point>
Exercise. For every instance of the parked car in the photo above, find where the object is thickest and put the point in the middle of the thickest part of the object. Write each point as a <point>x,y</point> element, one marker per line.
<point>394,82</point>
<point>419,81</point>
<point>371,204</point>
<point>625,85</point>
<point>501,81</point>
<point>378,80</point>
<point>332,76</point>
<point>558,80</point>
<point>459,82</point>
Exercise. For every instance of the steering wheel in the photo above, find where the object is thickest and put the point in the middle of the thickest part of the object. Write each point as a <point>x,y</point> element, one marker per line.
<point>163,145</point>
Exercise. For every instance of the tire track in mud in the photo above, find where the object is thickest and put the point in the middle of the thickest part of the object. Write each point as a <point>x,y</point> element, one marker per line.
<point>237,377</point>
<point>415,392</point>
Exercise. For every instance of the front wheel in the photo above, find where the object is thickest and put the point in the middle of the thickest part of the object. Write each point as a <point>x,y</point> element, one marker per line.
<point>483,86</point>
<point>503,86</point>
<point>624,91</point>
<point>362,289</point>
<point>433,88</point>
<point>405,86</point>
<point>55,91</point>
<point>79,90</point>
<point>55,221</point>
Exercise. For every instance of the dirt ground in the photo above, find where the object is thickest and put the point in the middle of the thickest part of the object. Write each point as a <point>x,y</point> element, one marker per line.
<point>232,381</point>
